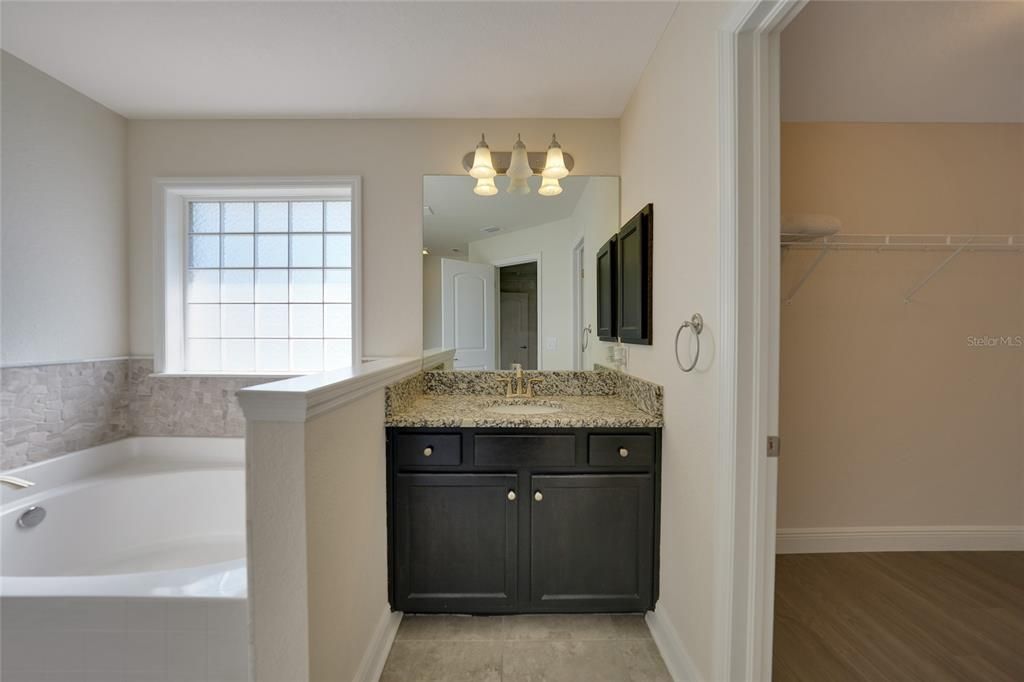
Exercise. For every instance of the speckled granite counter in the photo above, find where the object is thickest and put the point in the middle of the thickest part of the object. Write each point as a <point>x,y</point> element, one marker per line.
<point>601,399</point>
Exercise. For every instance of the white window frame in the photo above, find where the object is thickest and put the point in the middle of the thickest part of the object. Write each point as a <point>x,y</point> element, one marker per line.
<point>171,197</point>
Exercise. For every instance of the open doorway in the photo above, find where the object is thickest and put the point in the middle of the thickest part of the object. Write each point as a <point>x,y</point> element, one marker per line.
<point>517,315</point>
<point>900,525</point>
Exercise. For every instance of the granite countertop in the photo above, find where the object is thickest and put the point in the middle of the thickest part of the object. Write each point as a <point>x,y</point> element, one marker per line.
<point>578,411</point>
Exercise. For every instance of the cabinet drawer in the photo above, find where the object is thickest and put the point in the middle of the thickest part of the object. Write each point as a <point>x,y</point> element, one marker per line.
<point>626,450</point>
<point>524,450</point>
<point>428,449</point>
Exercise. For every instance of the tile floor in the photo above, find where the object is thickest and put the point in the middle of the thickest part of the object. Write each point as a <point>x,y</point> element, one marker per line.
<point>528,648</point>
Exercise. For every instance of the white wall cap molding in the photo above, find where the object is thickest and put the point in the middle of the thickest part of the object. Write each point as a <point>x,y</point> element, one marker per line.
<point>300,398</point>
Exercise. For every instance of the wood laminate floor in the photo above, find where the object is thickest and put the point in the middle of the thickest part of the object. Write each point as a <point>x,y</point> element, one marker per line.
<point>894,616</point>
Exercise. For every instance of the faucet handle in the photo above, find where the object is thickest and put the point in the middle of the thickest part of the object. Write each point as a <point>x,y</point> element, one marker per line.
<point>508,381</point>
<point>530,381</point>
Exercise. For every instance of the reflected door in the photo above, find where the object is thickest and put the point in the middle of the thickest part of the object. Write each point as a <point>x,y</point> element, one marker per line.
<point>514,346</point>
<point>467,313</point>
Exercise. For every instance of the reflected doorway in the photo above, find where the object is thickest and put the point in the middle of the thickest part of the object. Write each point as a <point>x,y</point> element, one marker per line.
<point>517,315</point>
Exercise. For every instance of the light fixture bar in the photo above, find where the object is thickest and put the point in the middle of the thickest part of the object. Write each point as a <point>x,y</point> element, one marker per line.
<point>502,160</point>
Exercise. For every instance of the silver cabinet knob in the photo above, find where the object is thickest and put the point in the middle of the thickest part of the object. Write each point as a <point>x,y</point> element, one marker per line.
<point>428,451</point>
<point>538,496</point>
<point>623,452</point>
<point>511,495</point>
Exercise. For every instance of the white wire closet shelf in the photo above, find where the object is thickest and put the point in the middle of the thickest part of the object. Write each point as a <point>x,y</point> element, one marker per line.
<point>895,242</point>
<point>953,243</point>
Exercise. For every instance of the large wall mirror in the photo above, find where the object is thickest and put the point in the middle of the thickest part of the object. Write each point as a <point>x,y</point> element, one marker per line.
<point>509,279</point>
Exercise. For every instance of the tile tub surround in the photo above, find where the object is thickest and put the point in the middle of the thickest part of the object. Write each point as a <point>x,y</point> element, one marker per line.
<point>50,410</point>
<point>72,639</point>
<point>460,399</point>
<point>593,648</point>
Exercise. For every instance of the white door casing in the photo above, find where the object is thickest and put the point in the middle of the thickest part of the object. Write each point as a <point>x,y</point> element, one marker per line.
<point>749,308</point>
<point>467,313</point>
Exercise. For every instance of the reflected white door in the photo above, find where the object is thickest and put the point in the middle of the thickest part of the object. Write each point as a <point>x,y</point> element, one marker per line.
<point>514,346</point>
<point>467,313</point>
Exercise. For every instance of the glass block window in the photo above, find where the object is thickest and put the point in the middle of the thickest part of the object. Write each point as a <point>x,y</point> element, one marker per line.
<point>268,286</point>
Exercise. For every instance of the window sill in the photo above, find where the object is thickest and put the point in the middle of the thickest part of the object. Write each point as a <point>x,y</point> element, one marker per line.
<point>275,376</point>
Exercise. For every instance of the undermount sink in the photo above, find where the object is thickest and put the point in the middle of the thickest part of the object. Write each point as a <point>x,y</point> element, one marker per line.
<point>512,406</point>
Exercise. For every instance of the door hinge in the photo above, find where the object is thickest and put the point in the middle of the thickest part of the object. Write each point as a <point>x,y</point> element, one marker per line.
<point>774,445</point>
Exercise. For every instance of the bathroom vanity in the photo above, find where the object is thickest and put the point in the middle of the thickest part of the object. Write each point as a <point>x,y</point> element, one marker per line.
<point>511,505</point>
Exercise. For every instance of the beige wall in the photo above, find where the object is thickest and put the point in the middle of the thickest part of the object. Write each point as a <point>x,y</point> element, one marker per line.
<point>65,254</point>
<point>888,416</point>
<point>670,157</point>
<point>392,156</point>
<point>346,536</point>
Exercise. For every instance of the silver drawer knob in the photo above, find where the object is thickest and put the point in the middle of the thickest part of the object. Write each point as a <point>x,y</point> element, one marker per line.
<point>428,451</point>
<point>623,452</point>
<point>538,496</point>
<point>511,495</point>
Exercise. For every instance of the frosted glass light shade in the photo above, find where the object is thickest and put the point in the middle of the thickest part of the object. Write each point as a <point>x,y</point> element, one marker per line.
<point>482,165</point>
<point>519,166</point>
<point>554,166</point>
<point>485,187</point>
<point>518,186</point>
<point>549,187</point>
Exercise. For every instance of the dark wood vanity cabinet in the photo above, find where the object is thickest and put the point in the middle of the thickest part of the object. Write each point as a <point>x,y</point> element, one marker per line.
<point>565,528</point>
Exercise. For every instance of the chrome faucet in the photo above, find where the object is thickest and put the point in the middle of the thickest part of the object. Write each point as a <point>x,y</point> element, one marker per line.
<point>16,482</point>
<point>517,387</point>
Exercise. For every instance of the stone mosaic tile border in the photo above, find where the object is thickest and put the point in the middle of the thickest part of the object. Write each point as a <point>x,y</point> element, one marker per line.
<point>47,410</point>
<point>50,410</point>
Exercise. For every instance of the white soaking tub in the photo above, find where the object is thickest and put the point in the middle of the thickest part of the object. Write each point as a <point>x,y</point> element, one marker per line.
<point>136,572</point>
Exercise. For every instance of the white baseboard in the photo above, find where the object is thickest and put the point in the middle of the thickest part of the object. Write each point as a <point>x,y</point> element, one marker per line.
<point>899,539</point>
<point>670,646</point>
<point>376,654</point>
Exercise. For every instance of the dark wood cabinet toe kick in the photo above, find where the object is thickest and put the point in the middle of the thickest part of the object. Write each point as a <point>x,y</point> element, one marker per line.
<point>523,520</point>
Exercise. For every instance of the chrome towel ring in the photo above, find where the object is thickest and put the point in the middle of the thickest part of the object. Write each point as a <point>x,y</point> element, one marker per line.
<point>696,323</point>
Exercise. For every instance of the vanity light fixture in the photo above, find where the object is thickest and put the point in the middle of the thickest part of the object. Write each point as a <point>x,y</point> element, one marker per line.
<point>483,167</point>
<point>519,169</point>
<point>519,165</point>
<point>554,165</point>
<point>426,252</point>
<point>485,187</point>
<point>549,187</point>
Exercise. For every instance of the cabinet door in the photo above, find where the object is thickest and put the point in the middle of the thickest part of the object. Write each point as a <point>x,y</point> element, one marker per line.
<point>591,543</point>
<point>607,308</point>
<point>455,542</point>
<point>635,278</point>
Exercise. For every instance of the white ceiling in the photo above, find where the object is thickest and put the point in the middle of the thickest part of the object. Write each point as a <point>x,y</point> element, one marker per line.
<point>459,216</point>
<point>904,61</point>
<point>342,59</point>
